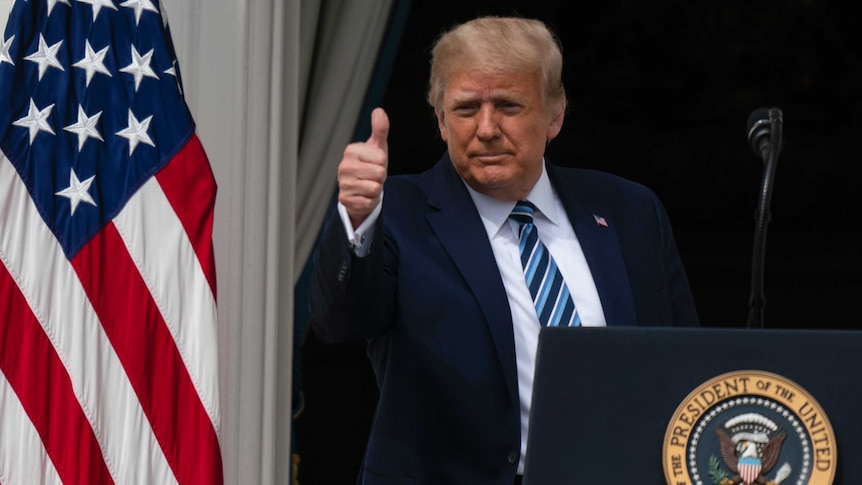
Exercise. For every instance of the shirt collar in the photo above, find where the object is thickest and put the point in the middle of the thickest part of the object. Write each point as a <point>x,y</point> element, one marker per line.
<point>495,213</point>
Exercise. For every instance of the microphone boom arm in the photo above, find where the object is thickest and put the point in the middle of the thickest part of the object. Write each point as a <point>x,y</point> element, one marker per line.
<point>769,152</point>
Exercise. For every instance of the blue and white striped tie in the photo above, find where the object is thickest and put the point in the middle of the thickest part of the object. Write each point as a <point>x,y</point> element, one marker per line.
<point>551,296</point>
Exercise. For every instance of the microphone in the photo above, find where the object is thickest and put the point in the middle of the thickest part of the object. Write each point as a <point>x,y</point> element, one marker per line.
<point>763,125</point>
<point>766,139</point>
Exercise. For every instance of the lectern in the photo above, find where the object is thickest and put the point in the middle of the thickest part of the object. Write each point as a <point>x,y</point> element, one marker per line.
<point>705,406</point>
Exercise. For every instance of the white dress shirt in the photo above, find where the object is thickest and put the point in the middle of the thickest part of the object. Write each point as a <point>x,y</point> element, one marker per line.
<point>557,234</point>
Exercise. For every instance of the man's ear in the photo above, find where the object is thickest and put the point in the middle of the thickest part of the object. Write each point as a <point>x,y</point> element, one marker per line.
<point>555,124</point>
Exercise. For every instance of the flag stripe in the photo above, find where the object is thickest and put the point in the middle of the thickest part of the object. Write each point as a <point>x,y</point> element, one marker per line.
<point>162,252</point>
<point>49,283</point>
<point>190,186</point>
<point>132,319</point>
<point>30,364</point>
<point>23,459</point>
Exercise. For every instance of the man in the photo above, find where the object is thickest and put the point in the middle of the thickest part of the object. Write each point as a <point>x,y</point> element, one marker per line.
<point>429,270</point>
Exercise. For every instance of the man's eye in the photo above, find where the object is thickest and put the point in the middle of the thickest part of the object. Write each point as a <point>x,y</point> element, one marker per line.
<point>465,107</point>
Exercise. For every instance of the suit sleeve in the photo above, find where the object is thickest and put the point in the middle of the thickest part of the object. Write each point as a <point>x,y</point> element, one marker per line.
<point>350,296</point>
<point>684,312</point>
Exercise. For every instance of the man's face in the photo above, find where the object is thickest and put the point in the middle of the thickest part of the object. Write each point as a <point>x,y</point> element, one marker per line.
<point>496,128</point>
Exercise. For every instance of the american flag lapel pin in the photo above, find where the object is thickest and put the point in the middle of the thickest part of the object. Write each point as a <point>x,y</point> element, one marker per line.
<point>600,221</point>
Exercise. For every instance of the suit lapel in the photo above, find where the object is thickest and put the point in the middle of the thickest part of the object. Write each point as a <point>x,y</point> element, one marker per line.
<point>459,227</point>
<point>594,225</point>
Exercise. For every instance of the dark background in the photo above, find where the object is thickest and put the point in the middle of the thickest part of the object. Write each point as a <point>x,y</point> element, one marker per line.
<point>660,92</point>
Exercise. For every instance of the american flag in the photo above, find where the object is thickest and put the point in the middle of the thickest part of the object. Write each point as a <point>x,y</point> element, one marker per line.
<point>108,345</point>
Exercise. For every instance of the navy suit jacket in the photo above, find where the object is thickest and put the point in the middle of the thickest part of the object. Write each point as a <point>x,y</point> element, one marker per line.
<point>430,301</point>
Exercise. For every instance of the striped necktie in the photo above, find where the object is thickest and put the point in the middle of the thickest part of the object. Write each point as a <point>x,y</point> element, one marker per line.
<point>554,304</point>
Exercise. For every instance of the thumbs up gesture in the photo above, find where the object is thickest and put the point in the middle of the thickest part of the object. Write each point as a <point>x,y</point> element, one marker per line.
<point>362,170</point>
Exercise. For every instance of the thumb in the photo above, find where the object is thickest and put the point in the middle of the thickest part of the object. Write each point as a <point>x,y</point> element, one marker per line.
<point>379,129</point>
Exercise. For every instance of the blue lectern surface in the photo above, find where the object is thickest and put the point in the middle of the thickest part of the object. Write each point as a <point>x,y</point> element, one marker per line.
<point>603,397</point>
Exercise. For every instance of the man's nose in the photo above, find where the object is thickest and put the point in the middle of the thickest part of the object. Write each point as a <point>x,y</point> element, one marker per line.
<point>487,123</point>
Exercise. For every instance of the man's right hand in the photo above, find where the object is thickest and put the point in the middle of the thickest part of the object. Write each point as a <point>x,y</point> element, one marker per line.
<point>362,170</point>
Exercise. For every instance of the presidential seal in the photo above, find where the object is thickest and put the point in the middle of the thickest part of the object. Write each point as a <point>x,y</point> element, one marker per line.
<point>749,427</point>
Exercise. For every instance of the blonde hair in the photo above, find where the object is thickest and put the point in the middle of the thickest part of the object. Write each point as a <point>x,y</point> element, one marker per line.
<point>498,45</point>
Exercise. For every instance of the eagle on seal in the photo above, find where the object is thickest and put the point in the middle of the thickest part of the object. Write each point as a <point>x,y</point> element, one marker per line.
<point>747,463</point>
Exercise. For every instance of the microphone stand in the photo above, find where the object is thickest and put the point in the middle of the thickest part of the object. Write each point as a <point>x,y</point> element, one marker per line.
<point>769,153</point>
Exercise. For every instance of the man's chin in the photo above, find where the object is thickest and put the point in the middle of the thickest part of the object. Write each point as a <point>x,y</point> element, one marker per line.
<point>498,187</point>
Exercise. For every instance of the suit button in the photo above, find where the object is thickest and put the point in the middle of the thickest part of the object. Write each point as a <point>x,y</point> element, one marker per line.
<point>513,458</point>
<point>342,272</point>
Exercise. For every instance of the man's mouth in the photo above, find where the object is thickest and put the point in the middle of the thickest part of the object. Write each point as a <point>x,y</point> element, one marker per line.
<point>493,157</point>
